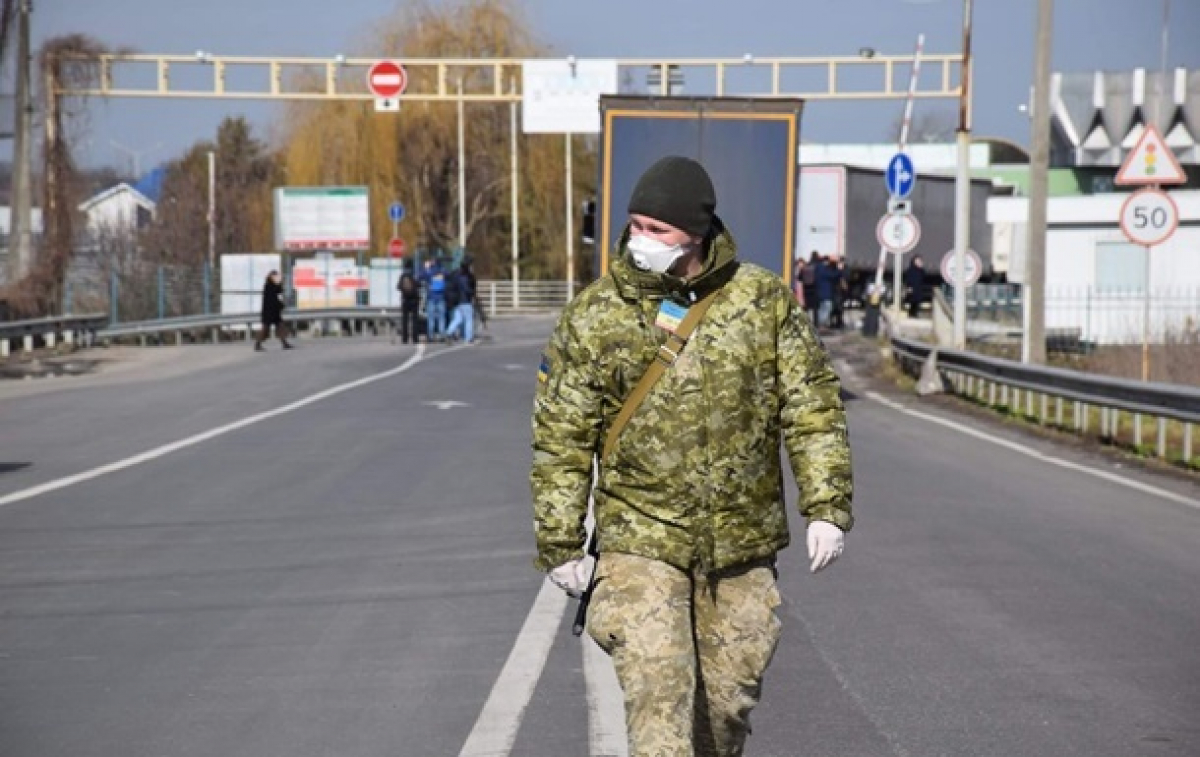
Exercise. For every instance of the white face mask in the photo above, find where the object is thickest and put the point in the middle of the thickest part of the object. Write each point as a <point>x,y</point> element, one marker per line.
<point>652,255</point>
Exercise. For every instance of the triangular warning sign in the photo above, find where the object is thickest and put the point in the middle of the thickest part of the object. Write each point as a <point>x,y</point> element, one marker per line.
<point>1151,162</point>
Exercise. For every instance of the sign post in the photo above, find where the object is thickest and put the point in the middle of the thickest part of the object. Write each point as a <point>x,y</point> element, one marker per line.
<point>968,278</point>
<point>1149,217</point>
<point>387,80</point>
<point>396,215</point>
<point>898,232</point>
<point>901,177</point>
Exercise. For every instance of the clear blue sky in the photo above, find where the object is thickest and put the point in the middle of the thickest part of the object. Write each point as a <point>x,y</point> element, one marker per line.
<point>1089,35</point>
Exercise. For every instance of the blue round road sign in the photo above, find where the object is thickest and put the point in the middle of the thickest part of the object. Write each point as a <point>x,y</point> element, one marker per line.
<point>396,212</point>
<point>901,176</point>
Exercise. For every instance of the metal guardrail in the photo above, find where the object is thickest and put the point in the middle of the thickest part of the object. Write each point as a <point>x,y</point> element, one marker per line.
<point>1000,382</point>
<point>496,297</point>
<point>215,323</point>
<point>47,331</point>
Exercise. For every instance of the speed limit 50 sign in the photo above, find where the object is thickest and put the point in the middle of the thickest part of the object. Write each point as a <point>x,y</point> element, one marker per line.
<point>1149,217</point>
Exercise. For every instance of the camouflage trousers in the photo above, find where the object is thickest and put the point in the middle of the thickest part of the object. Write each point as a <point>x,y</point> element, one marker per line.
<point>689,650</point>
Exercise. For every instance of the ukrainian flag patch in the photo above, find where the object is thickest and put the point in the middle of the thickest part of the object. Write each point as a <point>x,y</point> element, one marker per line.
<point>544,369</point>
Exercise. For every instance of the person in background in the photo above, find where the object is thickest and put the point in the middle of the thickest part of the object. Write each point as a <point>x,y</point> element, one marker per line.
<point>410,303</point>
<point>433,278</point>
<point>798,282</point>
<point>914,285</point>
<point>829,278</point>
<point>272,313</point>
<point>837,319</point>
<point>462,285</point>
<point>808,283</point>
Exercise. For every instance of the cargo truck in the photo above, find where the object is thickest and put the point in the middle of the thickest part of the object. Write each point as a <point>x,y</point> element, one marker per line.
<point>840,207</point>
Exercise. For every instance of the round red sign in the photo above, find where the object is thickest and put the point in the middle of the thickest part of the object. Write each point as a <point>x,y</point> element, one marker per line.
<point>387,78</point>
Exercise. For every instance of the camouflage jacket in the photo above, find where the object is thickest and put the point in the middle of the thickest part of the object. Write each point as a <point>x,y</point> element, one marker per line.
<point>695,478</point>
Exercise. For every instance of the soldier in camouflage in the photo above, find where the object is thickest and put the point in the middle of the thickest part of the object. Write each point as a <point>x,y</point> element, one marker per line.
<point>689,505</point>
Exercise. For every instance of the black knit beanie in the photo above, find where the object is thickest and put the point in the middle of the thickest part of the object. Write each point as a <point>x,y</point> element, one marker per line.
<point>678,191</point>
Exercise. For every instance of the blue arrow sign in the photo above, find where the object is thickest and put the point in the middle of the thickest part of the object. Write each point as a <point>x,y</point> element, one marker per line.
<point>396,212</point>
<point>900,175</point>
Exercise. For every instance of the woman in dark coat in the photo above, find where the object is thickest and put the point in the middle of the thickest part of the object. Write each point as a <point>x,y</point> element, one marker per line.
<point>272,313</point>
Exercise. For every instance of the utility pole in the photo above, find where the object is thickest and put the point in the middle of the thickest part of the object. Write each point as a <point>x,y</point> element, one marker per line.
<point>21,221</point>
<point>516,205</point>
<point>462,173</point>
<point>212,209</point>
<point>1033,345</point>
<point>962,185</point>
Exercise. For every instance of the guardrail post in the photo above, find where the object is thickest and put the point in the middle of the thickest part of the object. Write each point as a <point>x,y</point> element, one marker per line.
<point>1187,443</point>
<point>1045,408</point>
<point>1162,437</point>
<point>991,394</point>
<point>27,342</point>
<point>4,348</point>
<point>49,337</point>
<point>1058,411</point>
<point>162,295</point>
<point>1105,431</point>
<point>68,337</point>
<point>1029,404</point>
<point>1087,411</point>
<point>1137,430</point>
<point>178,338</point>
<point>216,335</point>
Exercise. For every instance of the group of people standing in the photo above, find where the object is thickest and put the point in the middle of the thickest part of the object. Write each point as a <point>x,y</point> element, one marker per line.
<point>444,293</point>
<point>821,288</point>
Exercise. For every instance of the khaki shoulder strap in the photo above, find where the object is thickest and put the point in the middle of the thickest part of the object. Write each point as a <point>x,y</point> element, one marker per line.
<point>668,353</point>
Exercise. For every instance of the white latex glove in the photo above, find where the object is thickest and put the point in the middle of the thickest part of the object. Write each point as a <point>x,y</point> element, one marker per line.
<point>825,544</point>
<point>572,577</point>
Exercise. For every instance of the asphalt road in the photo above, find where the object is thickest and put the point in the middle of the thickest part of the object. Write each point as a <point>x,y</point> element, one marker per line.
<point>350,575</point>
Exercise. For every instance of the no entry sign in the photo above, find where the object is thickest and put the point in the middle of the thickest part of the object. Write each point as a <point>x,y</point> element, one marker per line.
<point>387,79</point>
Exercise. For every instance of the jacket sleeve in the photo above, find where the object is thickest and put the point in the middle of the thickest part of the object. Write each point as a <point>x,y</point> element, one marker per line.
<point>567,415</point>
<point>813,420</point>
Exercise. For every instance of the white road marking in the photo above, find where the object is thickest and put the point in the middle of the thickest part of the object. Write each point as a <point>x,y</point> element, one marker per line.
<point>606,704</point>
<point>191,441</point>
<point>496,728</point>
<point>1035,454</point>
<point>445,404</point>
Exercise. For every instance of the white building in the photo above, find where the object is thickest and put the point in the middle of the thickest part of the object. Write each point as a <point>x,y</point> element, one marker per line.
<point>1097,281</point>
<point>117,212</point>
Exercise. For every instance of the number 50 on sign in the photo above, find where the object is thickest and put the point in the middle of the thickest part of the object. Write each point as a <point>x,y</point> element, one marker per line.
<point>1149,217</point>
